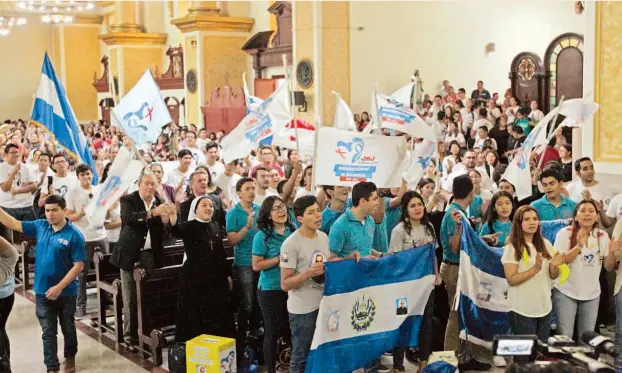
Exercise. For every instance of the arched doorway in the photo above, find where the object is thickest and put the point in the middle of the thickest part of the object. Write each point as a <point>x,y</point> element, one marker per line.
<point>564,69</point>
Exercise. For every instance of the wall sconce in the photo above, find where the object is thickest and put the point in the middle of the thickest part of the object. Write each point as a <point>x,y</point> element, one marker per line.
<point>300,100</point>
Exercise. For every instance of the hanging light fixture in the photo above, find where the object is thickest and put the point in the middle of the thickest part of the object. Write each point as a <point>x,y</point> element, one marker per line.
<point>56,11</point>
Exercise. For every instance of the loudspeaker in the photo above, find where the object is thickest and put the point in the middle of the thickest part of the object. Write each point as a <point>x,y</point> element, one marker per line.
<point>299,98</point>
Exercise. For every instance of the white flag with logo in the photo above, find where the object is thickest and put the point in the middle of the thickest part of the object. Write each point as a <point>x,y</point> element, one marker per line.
<point>261,123</point>
<point>404,94</point>
<point>123,173</point>
<point>142,112</point>
<point>399,117</point>
<point>347,158</point>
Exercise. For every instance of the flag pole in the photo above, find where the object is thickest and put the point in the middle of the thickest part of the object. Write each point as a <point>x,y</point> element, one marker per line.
<point>376,108</point>
<point>552,132</point>
<point>292,107</point>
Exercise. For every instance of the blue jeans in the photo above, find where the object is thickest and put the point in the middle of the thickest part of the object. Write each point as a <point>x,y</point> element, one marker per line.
<point>249,311</point>
<point>303,328</point>
<point>273,305</point>
<point>570,311</point>
<point>49,312</point>
<point>523,325</point>
<point>618,299</point>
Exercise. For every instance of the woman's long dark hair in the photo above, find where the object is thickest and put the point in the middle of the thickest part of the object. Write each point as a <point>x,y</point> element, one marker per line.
<point>425,219</point>
<point>575,224</point>
<point>264,220</point>
<point>492,215</point>
<point>517,237</point>
<point>304,173</point>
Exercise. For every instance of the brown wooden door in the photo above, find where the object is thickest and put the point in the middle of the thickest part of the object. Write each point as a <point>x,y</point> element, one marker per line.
<point>564,69</point>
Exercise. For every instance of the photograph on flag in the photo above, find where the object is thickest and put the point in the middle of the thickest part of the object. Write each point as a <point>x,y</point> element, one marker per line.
<point>351,157</point>
<point>380,310</point>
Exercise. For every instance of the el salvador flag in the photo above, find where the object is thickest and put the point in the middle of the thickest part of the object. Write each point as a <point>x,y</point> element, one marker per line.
<point>369,308</point>
<point>53,112</point>
<point>482,303</point>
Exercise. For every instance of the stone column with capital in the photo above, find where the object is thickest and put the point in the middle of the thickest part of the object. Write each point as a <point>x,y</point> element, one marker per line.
<point>322,37</point>
<point>212,44</point>
<point>130,49</point>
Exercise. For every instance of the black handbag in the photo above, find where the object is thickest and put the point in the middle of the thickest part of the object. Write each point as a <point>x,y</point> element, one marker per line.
<point>177,358</point>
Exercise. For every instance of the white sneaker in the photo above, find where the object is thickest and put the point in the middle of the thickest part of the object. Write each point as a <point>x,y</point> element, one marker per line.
<point>499,361</point>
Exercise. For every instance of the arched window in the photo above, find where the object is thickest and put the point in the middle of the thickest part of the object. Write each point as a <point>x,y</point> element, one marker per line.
<point>564,65</point>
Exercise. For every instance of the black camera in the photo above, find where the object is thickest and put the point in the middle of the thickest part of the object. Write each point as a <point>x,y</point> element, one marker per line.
<point>596,353</point>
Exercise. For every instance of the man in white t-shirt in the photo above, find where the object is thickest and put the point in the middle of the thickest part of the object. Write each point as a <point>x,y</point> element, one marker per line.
<point>191,144</point>
<point>302,259</point>
<point>216,168</point>
<point>62,182</point>
<point>262,185</point>
<point>95,237</point>
<point>178,177</point>
<point>227,182</point>
<point>468,163</point>
<point>587,187</point>
<point>43,169</point>
<point>16,185</point>
<point>536,115</point>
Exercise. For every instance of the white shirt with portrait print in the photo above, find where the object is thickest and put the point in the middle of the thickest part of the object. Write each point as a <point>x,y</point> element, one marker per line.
<point>583,283</point>
<point>21,178</point>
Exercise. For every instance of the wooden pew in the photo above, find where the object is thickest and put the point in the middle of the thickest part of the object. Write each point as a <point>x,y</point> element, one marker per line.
<point>157,293</point>
<point>108,282</point>
<point>22,268</point>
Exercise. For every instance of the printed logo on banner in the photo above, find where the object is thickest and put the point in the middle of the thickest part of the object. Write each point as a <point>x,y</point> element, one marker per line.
<point>259,126</point>
<point>363,314</point>
<point>398,114</point>
<point>136,120</point>
<point>361,167</point>
<point>110,187</point>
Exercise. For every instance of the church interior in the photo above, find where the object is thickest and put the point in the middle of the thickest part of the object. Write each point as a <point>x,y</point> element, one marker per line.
<point>200,53</point>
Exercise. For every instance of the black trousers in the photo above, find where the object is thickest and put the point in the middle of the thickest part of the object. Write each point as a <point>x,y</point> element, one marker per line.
<point>6,305</point>
<point>273,305</point>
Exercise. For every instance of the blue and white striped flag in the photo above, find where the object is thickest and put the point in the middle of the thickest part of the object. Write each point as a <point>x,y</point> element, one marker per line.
<point>369,308</point>
<point>482,304</point>
<point>252,102</point>
<point>53,112</point>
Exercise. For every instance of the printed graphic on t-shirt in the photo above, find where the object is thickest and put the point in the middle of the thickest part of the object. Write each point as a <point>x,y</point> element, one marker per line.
<point>318,257</point>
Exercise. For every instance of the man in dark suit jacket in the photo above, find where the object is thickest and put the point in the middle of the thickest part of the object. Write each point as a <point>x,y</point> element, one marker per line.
<point>143,220</point>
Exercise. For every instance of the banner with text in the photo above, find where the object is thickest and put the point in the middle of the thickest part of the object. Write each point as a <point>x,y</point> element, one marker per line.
<point>347,158</point>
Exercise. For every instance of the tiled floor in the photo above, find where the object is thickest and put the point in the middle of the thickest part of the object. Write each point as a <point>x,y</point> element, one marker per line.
<point>96,354</point>
<point>93,357</point>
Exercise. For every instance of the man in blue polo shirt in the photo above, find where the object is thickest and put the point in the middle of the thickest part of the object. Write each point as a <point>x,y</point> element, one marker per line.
<point>451,233</point>
<point>60,257</point>
<point>553,205</point>
<point>241,223</point>
<point>338,196</point>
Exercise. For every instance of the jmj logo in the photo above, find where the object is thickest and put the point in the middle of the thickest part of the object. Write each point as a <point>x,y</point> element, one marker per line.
<point>137,119</point>
<point>361,167</point>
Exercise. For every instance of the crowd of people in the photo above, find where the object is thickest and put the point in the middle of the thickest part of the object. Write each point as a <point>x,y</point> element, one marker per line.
<point>284,229</point>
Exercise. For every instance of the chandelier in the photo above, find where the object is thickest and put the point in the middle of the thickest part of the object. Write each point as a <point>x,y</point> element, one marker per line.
<point>56,11</point>
<point>6,23</point>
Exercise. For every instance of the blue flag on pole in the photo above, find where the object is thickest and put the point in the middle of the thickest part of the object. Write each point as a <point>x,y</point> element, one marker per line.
<point>369,308</point>
<point>53,112</point>
<point>482,307</point>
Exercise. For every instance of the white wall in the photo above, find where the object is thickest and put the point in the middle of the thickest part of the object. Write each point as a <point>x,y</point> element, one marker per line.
<point>446,40</point>
<point>20,67</point>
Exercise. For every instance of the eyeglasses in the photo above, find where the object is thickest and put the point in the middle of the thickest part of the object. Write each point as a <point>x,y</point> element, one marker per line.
<point>277,208</point>
<point>60,162</point>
